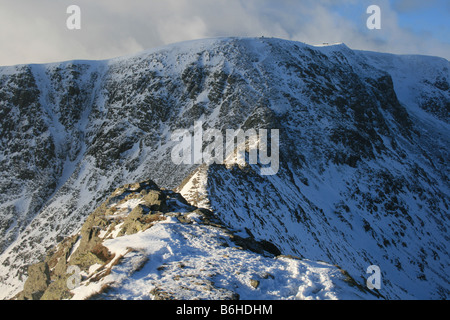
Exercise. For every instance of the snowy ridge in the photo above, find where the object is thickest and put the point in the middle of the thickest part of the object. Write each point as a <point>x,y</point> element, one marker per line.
<point>197,265</point>
<point>183,255</point>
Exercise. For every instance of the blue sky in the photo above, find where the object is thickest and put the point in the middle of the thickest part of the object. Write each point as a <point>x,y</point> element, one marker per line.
<point>34,31</point>
<point>430,18</point>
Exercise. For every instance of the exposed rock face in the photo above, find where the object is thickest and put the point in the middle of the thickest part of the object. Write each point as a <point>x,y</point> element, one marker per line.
<point>364,140</point>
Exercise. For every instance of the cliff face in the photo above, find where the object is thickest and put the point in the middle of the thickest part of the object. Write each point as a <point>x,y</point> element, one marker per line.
<point>364,139</point>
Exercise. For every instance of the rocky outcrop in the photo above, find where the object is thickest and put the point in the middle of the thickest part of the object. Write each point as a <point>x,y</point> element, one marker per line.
<point>48,280</point>
<point>37,283</point>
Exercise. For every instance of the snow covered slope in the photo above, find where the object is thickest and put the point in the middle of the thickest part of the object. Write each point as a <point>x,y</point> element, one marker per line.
<point>364,140</point>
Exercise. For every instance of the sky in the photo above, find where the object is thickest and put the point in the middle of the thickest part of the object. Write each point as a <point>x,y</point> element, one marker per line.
<point>35,31</point>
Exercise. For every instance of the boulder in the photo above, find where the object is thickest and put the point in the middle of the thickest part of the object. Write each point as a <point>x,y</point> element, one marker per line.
<point>37,282</point>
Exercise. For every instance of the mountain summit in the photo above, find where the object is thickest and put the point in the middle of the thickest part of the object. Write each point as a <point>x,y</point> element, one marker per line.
<point>363,154</point>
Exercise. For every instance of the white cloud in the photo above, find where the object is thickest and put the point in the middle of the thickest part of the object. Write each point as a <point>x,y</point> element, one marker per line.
<point>33,31</point>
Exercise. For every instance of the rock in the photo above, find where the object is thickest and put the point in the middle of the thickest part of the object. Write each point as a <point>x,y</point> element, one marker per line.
<point>159,294</point>
<point>57,290</point>
<point>267,275</point>
<point>254,283</point>
<point>155,200</point>
<point>139,219</point>
<point>37,282</point>
<point>262,247</point>
<point>270,247</point>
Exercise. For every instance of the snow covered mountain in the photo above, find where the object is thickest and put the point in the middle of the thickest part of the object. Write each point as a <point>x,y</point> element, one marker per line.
<point>364,140</point>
